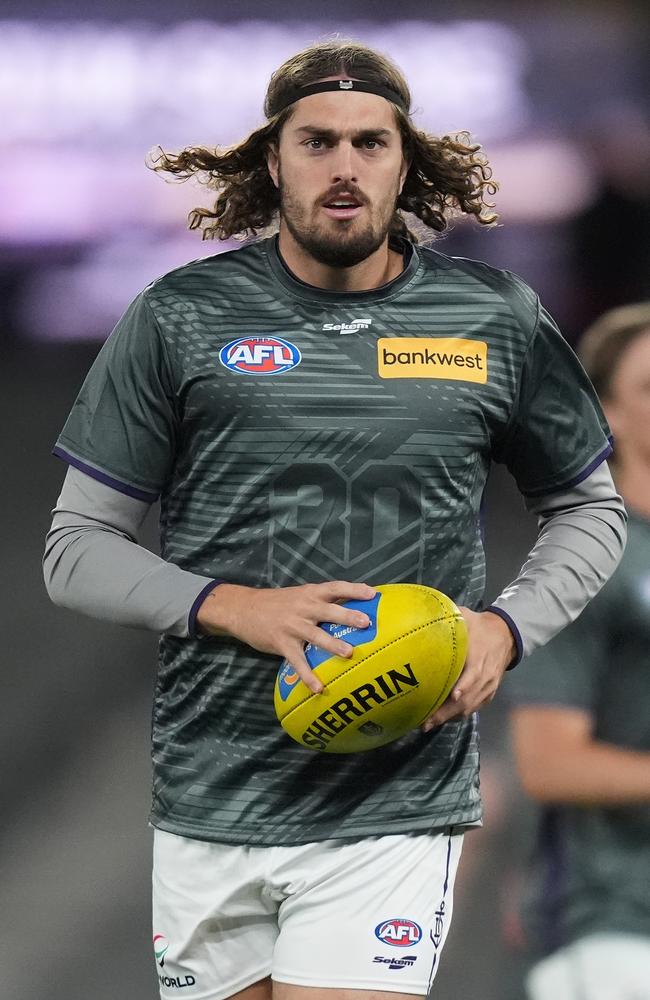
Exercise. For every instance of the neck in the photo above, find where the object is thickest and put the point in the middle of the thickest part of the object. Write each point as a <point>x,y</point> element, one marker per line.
<point>379,268</point>
<point>633,481</point>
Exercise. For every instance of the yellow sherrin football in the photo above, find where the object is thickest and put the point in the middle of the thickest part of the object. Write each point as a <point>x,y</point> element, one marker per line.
<point>403,667</point>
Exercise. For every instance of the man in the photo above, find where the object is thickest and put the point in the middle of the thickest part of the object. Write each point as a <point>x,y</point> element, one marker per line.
<point>581,728</point>
<point>318,412</point>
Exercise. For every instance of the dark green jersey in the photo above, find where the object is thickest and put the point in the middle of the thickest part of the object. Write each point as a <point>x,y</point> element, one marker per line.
<point>591,869</point>
<point>300,435</point>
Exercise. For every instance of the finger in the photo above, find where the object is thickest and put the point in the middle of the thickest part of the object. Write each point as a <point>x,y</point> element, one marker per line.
<point>479,686</point>
<point>323,640</point>
<point>459,705</point>
<point>467,676</point>
<point>470,682</point>
<point>339,615</point>
<point>296,659</point>
<point>455,706</point>
<point>450,710</point>
<point>343,590</point>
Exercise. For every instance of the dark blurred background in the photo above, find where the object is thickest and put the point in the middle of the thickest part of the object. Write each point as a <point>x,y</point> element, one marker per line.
<point>557,95</point>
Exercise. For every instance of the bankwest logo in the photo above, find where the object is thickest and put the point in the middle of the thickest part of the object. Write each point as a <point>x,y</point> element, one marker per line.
<point>432,357</point>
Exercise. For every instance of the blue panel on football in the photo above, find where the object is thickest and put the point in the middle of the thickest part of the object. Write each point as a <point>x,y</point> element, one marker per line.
<point>355,636</point>
<point>287,680</point>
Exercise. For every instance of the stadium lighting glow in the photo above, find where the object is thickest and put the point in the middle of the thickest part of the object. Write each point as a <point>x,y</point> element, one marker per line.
<point>89,81</point>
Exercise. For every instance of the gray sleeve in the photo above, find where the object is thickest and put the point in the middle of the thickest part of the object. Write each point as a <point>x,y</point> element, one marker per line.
<point>582,533</point>
<point>94,564</point>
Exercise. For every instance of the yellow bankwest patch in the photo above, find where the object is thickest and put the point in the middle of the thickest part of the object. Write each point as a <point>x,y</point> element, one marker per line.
<point>432,357</point>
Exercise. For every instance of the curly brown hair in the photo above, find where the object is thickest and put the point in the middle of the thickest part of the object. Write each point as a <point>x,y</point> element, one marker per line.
<point>448,176</point>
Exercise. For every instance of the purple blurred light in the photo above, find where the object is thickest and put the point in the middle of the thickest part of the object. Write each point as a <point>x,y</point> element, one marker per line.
<point>87,82</point>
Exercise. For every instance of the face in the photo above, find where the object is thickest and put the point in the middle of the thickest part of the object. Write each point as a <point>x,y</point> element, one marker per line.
<point>628,406</point>
<point>339,168</point>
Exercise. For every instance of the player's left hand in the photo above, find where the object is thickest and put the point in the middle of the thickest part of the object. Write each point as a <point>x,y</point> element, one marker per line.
<point>491,649</point>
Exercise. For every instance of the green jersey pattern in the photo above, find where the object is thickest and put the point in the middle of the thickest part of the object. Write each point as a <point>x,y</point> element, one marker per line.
<point>591,869</point>
<point>363,458</point>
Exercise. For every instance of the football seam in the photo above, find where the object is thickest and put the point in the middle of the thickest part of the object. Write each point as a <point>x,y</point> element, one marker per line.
<point>455,649</point>
<point>432,621</point>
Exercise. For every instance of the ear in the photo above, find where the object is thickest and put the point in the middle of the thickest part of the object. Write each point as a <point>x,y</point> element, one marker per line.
<point>406,166</point>
<point>273,162</point>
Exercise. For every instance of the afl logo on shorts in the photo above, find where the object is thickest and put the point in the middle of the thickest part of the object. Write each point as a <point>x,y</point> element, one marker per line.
<point>399,932</point>
<point>259,356</point>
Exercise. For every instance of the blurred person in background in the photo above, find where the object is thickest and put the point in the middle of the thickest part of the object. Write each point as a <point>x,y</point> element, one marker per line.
<point>258,842</point>
<point>581,729</point>
<point>610,238</point>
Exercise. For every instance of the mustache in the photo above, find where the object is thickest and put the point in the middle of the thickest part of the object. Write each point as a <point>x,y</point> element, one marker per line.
<point>339,190</point>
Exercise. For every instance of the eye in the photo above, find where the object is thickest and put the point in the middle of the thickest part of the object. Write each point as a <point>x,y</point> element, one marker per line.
<point>315,144</point>
<point>370,143</point>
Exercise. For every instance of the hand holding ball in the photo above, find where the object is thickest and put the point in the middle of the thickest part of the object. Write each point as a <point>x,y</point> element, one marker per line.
<point>403,667</point>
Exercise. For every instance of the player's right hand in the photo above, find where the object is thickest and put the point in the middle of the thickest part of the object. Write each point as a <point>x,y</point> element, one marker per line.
<point>282,620</point>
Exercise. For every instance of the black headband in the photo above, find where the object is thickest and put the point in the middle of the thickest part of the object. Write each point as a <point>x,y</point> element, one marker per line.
<point>297,93</point>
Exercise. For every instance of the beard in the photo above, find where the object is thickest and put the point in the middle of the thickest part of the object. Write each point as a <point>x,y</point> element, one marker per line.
<point>346,243</point>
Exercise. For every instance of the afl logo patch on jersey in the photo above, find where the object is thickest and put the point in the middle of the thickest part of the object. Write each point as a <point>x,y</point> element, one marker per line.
<point>260,356</point>
<point>399,931</point>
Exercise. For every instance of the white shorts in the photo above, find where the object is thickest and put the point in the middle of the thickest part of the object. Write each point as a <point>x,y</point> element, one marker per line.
<point>370,915</point>
<point>597,967</point>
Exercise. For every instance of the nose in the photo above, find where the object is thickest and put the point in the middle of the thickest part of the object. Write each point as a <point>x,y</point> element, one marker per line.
<point>344,167</point>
